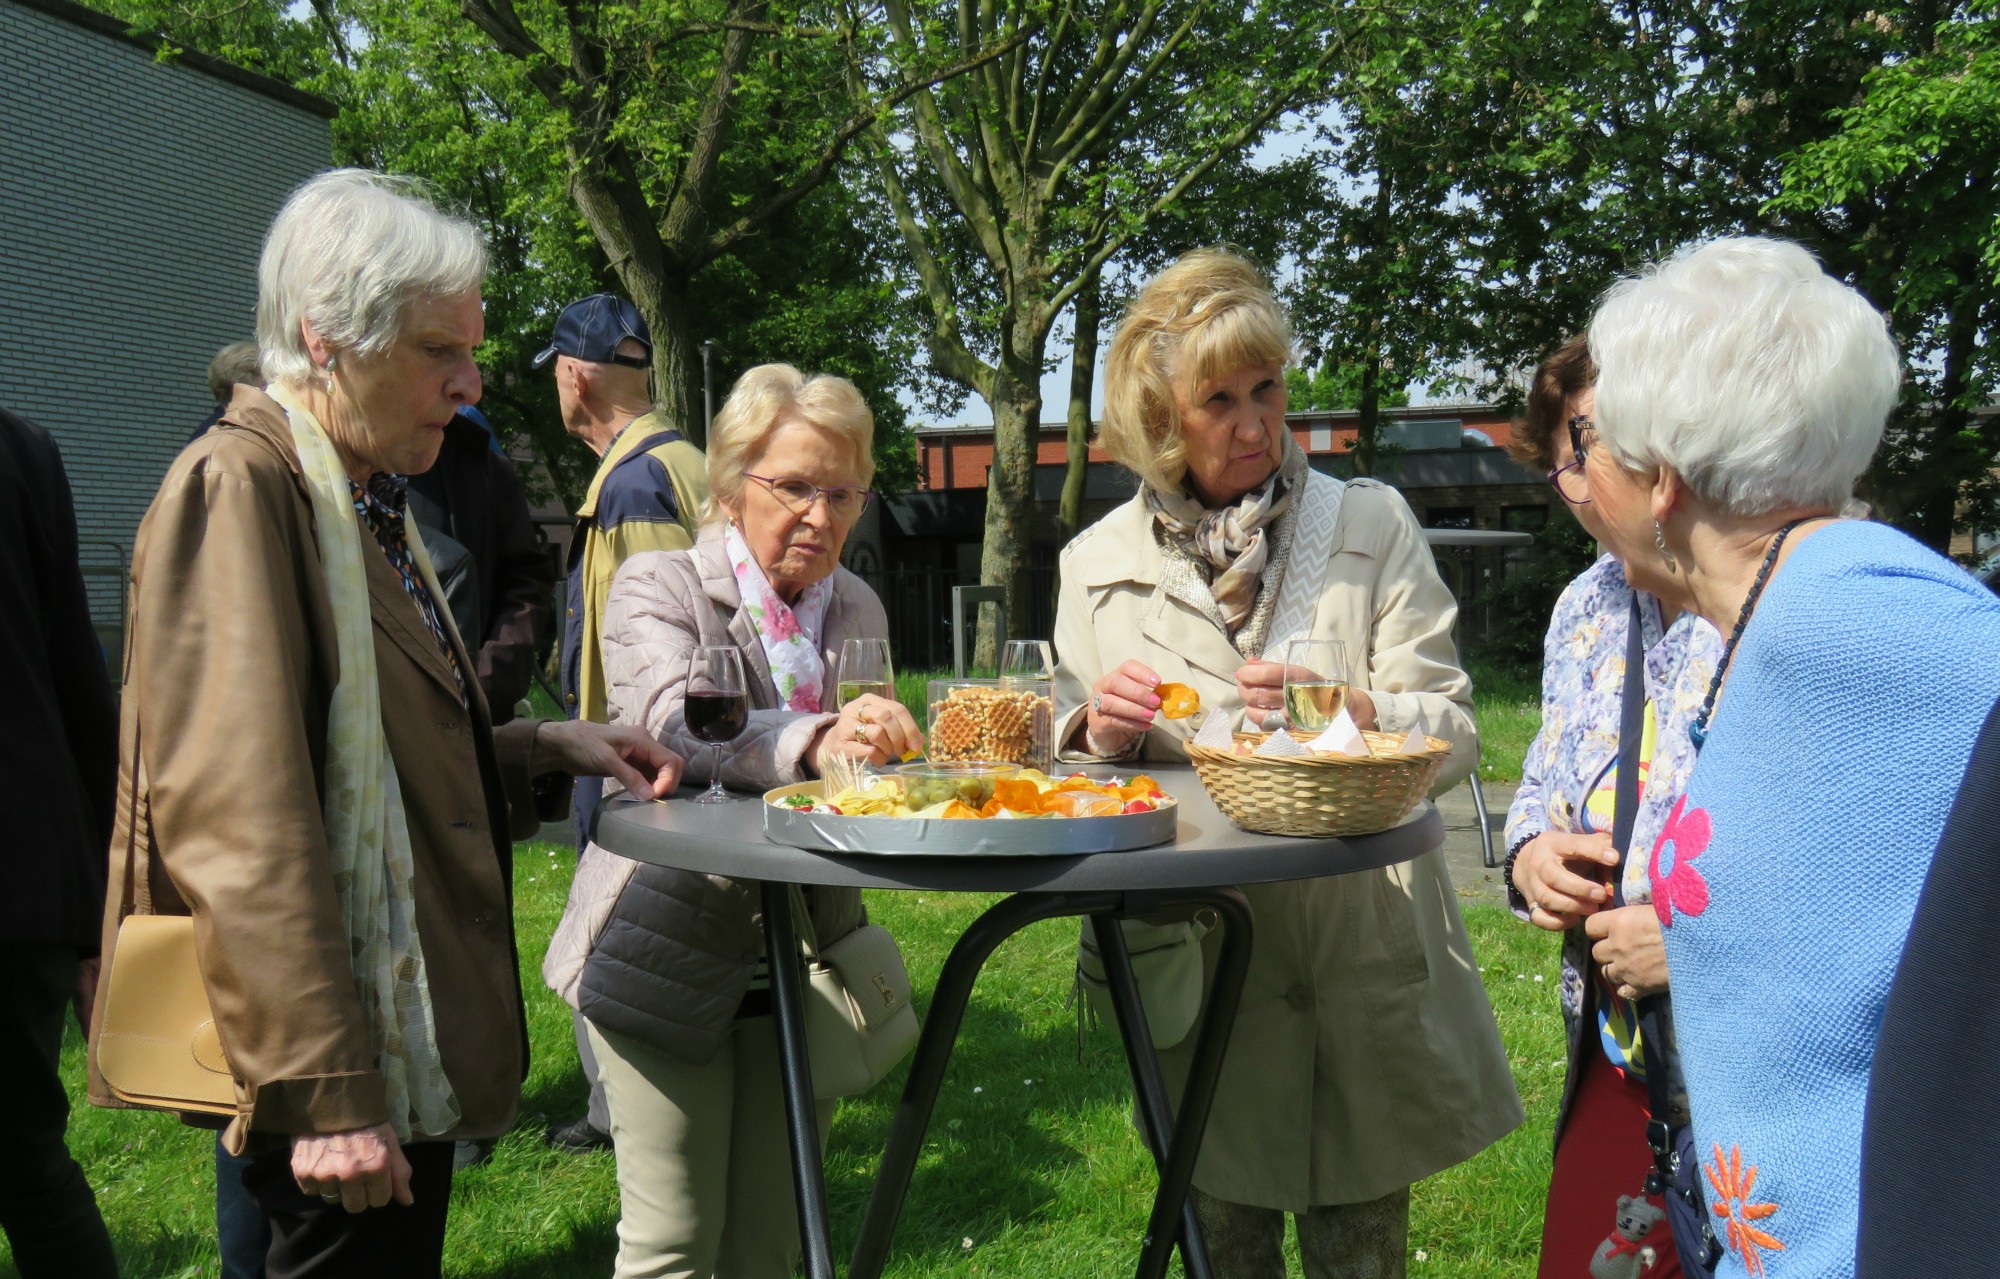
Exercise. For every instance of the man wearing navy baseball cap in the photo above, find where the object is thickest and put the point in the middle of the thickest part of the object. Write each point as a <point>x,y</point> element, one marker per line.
<point>647,495</point>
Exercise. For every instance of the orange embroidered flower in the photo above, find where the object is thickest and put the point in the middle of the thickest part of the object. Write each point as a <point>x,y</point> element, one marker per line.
<point>1733,1184</point>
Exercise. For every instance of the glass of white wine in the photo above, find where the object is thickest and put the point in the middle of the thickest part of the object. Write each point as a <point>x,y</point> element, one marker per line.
<point>1027,661</point>
<point>864,669</point>
<point>1315,684</point>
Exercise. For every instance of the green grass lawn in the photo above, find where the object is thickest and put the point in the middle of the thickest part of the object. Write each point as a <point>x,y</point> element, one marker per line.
<point>1031,1159</point>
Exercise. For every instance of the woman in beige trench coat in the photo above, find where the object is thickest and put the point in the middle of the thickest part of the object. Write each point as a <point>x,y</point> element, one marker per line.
<point>1365,1055</point>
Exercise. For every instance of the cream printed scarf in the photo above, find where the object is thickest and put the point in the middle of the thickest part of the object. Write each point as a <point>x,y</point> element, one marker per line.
<point>367,834</point>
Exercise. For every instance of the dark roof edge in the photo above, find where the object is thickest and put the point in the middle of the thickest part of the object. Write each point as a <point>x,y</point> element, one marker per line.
<point>105,24</point>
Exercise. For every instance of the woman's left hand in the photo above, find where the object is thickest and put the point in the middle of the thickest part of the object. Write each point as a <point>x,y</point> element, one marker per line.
<point>626,755</point>
<point>1261,685</point>
<point>1630,950</point>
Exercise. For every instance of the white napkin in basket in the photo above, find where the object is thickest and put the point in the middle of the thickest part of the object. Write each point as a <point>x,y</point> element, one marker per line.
<point>1342,737</point>
<point>1282,745</point>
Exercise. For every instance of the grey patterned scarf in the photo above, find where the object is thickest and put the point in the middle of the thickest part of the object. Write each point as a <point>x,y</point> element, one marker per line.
<point>1228,563</point>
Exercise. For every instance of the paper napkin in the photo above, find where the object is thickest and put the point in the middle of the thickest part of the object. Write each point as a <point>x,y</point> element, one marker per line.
<point>1215,732</point>
<point>1414,744</point>
<point>1283,745</point>
<point>1342,737</point>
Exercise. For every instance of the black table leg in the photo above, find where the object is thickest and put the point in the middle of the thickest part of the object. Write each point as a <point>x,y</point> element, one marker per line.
<point>1225,991</point>
<point>1175,1146</point>
<point>933,1056</point>
<point>1156,1121</point>
<point>781,946</point>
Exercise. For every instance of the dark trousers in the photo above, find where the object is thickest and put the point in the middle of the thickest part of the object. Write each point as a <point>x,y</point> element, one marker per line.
<point>46,1208</point>
<point>313,1239</point>
<point>242,1232</point>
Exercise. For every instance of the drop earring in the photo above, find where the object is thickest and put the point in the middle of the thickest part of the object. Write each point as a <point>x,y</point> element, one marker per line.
<point>1660,541</point>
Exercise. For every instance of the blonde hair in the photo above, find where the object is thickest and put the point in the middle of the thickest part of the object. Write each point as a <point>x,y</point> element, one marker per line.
<point>1210,313</point>
<point>768,397</point>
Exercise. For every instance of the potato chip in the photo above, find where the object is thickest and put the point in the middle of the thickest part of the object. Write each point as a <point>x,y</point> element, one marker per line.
<point>958,808</point>
<point>1177,701</point>
<point>1022,797</point>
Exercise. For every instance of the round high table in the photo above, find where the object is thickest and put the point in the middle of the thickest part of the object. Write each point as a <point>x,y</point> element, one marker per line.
<point>1207,858</point>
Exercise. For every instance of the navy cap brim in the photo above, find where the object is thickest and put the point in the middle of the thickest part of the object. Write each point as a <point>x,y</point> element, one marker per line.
<point>547,353</point>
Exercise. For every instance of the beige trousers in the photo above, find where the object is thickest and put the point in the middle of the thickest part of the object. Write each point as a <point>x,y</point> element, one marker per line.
<point>704,1165</point>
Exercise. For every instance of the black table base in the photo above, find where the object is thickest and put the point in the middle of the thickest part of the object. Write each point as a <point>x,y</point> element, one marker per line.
<point>1173,1136</point>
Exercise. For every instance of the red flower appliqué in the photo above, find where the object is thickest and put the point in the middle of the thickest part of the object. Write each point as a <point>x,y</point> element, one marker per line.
<point>1682,888</point>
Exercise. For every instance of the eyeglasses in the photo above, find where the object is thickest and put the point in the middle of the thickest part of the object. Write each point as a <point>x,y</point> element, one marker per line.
<point>1576,487</point>
<point>843,501</point>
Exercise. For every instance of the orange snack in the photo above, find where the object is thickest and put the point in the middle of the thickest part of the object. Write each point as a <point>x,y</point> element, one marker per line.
<point>1140,787</point>
<point>1020,795</point>
<point>959,808</point>
<point>1177,701</point>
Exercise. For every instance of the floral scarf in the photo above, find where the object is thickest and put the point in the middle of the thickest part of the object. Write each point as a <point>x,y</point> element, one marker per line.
<point>790,633</point>
<point>1234,544</point>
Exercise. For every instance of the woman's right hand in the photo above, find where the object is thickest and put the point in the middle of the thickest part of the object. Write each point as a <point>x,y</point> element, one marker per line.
<point>1121,709</point>
<point>362,1168</point>
<point>1554,873</point>
<point>872,729</point>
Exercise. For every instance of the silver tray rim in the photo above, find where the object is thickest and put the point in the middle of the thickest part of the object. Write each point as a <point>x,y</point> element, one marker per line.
<point>939,837</point>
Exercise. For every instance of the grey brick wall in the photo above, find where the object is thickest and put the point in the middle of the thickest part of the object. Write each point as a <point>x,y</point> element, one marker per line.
<point>134,196</point>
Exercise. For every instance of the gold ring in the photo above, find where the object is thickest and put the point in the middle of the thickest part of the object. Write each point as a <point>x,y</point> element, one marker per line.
<point>861,732</point>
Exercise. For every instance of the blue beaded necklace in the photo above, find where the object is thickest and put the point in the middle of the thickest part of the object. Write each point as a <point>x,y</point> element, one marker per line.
<point>1698,731</point>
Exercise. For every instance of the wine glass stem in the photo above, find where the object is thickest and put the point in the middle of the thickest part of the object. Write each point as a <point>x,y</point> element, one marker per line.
<point>715,790</point>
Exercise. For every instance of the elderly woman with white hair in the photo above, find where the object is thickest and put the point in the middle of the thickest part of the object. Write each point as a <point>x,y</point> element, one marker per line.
<point>310,769</point>
<point>1365,1056</point>
<point>666,965</point>
<point>1741,391</point>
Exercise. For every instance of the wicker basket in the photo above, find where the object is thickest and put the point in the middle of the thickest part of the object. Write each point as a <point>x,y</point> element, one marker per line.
<point>1320,794</point>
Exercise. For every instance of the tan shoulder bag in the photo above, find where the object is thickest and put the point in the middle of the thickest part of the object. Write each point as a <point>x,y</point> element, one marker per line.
<point>157,1045</point>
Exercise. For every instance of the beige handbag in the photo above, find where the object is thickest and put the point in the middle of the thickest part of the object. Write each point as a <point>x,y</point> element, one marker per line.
<point>156,1041</point>
<point>859,1021</point>
<point>1166,964</point>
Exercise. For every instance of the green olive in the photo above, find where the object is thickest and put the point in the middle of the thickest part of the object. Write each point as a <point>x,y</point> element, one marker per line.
<point>973,790</point>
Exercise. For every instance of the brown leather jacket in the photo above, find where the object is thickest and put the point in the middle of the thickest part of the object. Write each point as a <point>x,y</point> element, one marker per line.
<point>229,670</point>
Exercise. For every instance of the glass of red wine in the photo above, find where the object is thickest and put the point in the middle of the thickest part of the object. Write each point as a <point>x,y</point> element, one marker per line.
<point>717,706</point>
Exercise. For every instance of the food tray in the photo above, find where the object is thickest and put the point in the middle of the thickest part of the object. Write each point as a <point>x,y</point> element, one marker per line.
<point>963,837</point>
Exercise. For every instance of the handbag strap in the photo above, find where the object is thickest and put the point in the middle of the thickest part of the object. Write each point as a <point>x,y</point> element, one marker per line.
<point>1631,734</point>
<point>135,896</point>
<point>802,922</point>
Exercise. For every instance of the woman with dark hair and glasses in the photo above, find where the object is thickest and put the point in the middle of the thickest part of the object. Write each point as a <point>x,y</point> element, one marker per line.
<point>1564,874</point>
<point>663,964</point>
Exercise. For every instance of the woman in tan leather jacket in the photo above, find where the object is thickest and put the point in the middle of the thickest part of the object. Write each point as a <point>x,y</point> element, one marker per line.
<point>308,766</point>
<point>665,965</point>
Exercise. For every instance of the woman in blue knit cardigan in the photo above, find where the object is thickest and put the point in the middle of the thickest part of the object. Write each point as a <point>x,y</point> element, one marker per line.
<point>1741,392</point>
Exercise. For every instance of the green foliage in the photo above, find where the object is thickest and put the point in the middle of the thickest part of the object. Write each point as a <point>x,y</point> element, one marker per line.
<point>1335,386</point>
<point>422,90</point>
<point>1909,189</point>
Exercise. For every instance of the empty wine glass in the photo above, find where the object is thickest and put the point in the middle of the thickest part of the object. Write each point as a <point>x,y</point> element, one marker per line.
<point>864,669</point>
<point>1315,684</point>
<point>717,706</point>
<point>1027,661</point>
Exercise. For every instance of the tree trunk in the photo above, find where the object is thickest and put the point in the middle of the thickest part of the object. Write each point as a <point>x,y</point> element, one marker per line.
<point>1368,422</point>
<point>1082,372</point>
<point>1010,495</point>
<point>1370,403</point>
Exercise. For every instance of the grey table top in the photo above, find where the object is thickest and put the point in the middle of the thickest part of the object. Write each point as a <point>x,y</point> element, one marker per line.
<point>1208,851</point>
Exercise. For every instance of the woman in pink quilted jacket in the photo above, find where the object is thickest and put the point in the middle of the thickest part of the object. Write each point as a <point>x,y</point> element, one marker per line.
<point>666,966</point>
